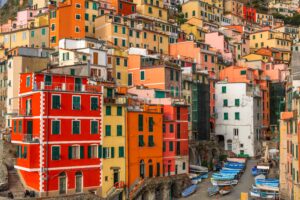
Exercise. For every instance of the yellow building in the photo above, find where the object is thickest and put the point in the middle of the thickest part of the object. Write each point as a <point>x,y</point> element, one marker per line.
<point>270,38</point>
<point>113,142</point>
<point>193,28</point>
<point>28,37</point>
<point>255,57</point>
<point>91,13</point>
<point>151,8</point>
<point>118,61</point>
<point>127,32</point>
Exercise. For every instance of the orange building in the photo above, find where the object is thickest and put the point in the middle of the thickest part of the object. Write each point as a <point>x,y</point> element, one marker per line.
<point>66,20</point>
<point>144,143</point>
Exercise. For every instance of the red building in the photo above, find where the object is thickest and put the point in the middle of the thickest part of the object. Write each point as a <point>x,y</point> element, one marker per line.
<point>175,139</point>
<point>58,134</point>
<point>249,14</point>
<point>124,7</point>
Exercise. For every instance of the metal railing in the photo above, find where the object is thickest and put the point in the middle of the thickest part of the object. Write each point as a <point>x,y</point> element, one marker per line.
<point>66,87</point>
<point>30,138</point>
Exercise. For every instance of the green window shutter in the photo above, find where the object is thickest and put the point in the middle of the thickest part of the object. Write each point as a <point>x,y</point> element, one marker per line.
<point>171,128</point>
<point>123,43</point>
<point>100,151</point>
<point>15,126</point>
<point>70,152</point>
<point>223,89</point>
<point>171,74</point>
<point>141,124</point>
<point>109,92</point>
<point>112,152</point>
<point>129,79</point>
<point>55,153</point>
<point>76,103</point>
<point>237,102</point>
<point>20,126</point>
<point>170,146</point>
<point>243,72</point>
<point>55,127</point>
<point>89,151</point>
<point>55,102</point>
<point>48,80</point>
<point>119,111</point>
<point>25,152</point>
<point>32,33</point>
<point>141,140</point>
<point>94,103</point>
<point>94,127</point>
<point>86,16</point>
<point>43,31</point>
<point>225,116</point>
<point>121,152</point>
<point>119,130</point>
<point>123,30</point>
<point>225,102</point>
<point>118,61</point>
<point>142,75</point>
<point>81,152</point>
<point>107,130</point>
<point>104,152</point>
<point>116,29</point>
<point>108,110</point>
<point>237,115</point>
<point>151,123</point>
<point>150,141</point>
<point>76,127</point>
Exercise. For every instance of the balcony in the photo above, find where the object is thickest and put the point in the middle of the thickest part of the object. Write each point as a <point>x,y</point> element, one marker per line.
<point>70,87</point>
<point>26,138</point>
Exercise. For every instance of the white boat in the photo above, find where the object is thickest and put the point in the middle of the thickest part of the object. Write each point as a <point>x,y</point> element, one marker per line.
<point>223,183</point>
<point>198,169</point>
<point>239,160</point>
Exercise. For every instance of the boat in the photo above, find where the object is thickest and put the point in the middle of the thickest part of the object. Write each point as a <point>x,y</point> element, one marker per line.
<point>272,183</point>
<point>261,176</point>
<point>196,180</point>
<point>189,191</point>
<point>213,190</point>
<point>192,175</point>
<point>234,166</point>
<point>198,169</point>
<point>258,193</point>
<point>223,183</point>
<point>260,169</point>
<point>225,190</point>
<point>239,160</point>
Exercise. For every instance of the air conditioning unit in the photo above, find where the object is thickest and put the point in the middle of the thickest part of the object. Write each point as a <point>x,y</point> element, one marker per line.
<point>42,85</point>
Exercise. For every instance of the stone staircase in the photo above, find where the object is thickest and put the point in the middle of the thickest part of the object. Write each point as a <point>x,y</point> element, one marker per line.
<point>15,184</point>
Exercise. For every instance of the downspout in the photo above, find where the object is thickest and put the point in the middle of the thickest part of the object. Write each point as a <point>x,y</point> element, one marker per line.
<point>47,144</point>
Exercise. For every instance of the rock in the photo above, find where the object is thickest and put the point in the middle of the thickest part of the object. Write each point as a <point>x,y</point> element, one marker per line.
<point>3,177</point>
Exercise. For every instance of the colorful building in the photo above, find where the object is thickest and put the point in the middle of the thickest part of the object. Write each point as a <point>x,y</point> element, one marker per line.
<point>249,14</point>
<point>58,134</point>
<point>124,7</point>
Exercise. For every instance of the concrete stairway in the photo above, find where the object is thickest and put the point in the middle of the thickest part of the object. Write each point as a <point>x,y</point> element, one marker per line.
<point>15,184</point>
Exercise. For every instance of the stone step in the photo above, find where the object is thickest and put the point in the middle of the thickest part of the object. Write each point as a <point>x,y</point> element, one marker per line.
<point>15,184</point>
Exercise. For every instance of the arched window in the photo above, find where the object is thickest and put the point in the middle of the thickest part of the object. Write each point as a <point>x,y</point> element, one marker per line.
<point>229,145</point>
<point>150,168</point>
<point>142,169</point>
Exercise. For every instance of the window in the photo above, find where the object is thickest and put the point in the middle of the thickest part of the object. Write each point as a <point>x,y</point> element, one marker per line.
<point>141,124</point>
<point>118,75</point>
<point>108,110</point>
<point>116,41</point>
<point>75,127</point>
<point>55,153</point>
<point>76,102</point>
<point>137,34</point>
<point>161,40</point>
<point>237,115</point>
<point>142,75</point>
<point>86,16</point>
<point>43,31</point>
<point>72,72</point>
<point>125,62</point>
<point>92,151</point>
<point>121,152</point>
<point>94,103</point>
<point>164,128</point>
<point>119,111</point>
<point>116,29</point>
<point>225,116</point>
<point>95,6</point>
<point>20,126</point>
<point>123,30</point>
<point>94,127</point>
<point>235,132</point>
<point>55,127</point>
<point>48,80</point>
<point>15,126</point>
<point>194,13</point>
<point>129,79</point>
<point>243,72</point>
<point>77,16</point>
<point>119,130</point>
<point>170,146</point>
<point>171,128</point>
<point>154,37</point>
<point>149,10</point>
<point>107,130</point>
<point>141,141</point>
<point>28,81</point>
<point>225,102</point>
<point>145,35</point>
<point>223,89</point>
<point>132,9</point>
<point>55,101</point>
<point>76,152</point>
<point>151,123</point>
<point>150,141</point>
<point>171,74</point>
<point>237,102</point>
<point>32,33</point>
<point>130,33</point>
<point>123,43</point>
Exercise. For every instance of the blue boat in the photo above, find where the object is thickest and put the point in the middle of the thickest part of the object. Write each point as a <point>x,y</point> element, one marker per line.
<point>256,171</point>
<point>189,191</point>
<point>267,182</point>
<point>233,166</point>
<point>229,172</point>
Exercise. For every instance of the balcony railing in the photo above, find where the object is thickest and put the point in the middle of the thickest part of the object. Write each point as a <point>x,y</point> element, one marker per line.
<point>67,87</point>
<point>28,138</point>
